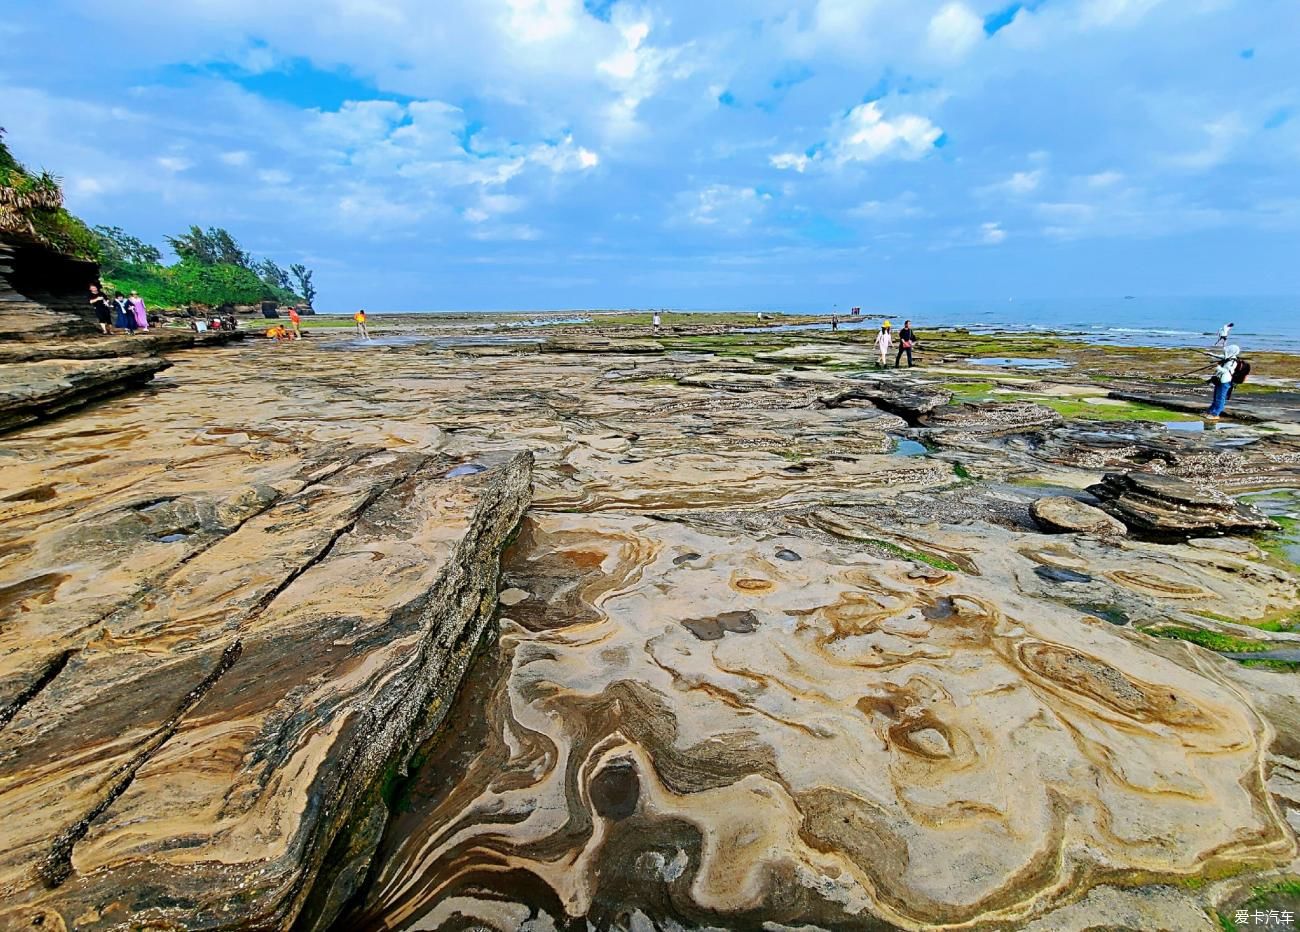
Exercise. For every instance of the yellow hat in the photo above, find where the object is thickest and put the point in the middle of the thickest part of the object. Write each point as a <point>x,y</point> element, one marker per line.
<point>886,325</point>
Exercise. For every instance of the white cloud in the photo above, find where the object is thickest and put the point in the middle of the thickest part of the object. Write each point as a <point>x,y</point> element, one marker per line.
<point>1017,184</point>
<point>954,31</point>
<point>726,207</point>
<point>865,134</point>
<point>237,158</point>
<point>794,160</point>
<point>1220,137</point>
<point>174,163</point>
<point>992,233</point>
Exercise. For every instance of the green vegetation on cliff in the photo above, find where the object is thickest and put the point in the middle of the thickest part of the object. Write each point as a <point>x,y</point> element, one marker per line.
<point>31,207</point>
<point>213,269</point>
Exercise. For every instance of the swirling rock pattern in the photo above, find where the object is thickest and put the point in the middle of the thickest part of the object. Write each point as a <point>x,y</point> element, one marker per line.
<point>691,727</point>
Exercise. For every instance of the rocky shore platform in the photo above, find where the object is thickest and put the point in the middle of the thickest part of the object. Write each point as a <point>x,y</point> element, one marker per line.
<point>508,628</point>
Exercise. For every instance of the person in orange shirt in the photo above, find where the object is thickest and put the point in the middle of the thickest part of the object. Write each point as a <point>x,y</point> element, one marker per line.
<point>360,318</point>
<point>295,321</point>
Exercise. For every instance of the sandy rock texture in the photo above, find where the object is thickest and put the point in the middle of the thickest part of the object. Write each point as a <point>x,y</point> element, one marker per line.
<point>778,646</point>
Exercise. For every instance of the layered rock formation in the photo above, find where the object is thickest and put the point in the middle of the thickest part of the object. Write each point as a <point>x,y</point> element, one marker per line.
<point>187,756</point>
<point>1167,506</point>
<point>43,293</point>
<point>35,391</point>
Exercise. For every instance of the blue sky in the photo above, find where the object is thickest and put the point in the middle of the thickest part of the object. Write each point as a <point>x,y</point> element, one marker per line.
<point>485,154</point>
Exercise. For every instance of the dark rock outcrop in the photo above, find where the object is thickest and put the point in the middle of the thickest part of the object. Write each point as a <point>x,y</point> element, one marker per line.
<point>909,401</point>
<point>37,391</point>
<point>1163,506</point>
<point>43,293</point>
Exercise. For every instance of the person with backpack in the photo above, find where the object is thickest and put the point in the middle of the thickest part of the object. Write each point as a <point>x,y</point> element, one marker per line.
<point>1230,372</point>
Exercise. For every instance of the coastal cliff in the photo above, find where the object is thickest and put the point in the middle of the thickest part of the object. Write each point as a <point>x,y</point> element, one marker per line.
<point>43,292</point>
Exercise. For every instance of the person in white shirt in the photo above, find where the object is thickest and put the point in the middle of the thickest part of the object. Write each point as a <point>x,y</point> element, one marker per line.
<point>1224,331</point>
<point>655,320</point>
<point>883,342</point>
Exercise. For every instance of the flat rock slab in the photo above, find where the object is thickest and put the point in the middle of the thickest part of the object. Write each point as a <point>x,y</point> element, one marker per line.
<point>98,346</point>
<point>189,766</point>
<point>36,391</point>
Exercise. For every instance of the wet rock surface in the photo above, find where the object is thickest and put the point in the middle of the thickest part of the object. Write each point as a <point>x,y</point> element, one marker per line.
<point>750,665</point>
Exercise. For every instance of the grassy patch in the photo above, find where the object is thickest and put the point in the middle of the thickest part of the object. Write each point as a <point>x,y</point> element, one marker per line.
<point>1225,644</point>
<point>914,555</point>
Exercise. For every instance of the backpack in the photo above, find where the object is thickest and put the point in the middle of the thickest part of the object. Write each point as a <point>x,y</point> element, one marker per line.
<point>1240,372</point>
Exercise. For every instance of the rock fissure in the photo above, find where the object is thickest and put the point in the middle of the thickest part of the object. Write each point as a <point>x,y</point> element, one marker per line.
<point>55,867</point>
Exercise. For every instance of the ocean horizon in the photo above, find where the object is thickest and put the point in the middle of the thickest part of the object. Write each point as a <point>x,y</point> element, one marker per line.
<point>1262,323</point>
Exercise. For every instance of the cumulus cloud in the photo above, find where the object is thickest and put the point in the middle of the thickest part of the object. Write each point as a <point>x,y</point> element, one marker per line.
<point>865,134</point>
<point>991,233</point>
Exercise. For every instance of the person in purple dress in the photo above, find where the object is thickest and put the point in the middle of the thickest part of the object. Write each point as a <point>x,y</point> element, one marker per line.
<point>138,311</point>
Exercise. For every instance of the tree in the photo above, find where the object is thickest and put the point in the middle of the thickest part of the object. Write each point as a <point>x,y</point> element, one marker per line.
<point>305,287</point>
<point>272,274</point>
<point>226,248</point>
<point>194,246</point>
<point>118,248</point>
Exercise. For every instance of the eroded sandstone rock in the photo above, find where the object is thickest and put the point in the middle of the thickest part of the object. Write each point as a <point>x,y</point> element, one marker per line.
<point>35,391</point>
<point>1061,514</point>
<point>190,764</point>
<point>1163,505</point>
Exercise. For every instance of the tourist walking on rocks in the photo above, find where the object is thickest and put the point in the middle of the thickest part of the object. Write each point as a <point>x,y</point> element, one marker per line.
<point>1222,381</point>
<point>655,322</point>
<point>906,340</point>
<point>102,309</point>
<point>295,321</point>
<point>1224,332</point>
<point>835,322</point>
<point>883,342</point>
<point>138,311</point>
<point>360,318</point>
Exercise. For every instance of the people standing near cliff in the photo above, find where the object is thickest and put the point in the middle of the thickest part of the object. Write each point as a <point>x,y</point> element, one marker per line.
<point>906,340</point>
<point>883,342</point>
<point>360,318</point>
<point>1225,375</point>
<point>1224,332</point>
<point>835,322</point>
<point>655,322</point>
<point>295,320</point>
<point>138,311</point>
<point>123,317</point>
<point>102,309</point>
